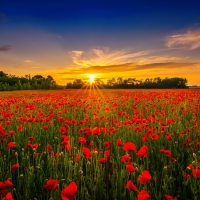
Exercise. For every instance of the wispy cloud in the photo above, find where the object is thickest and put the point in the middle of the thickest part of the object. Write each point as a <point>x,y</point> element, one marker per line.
<point>126,67</point>
<point>3,17</point>
<point>158,59</point>
<point>191,40</point>
<point>104,56</point>
<point>6,48</point>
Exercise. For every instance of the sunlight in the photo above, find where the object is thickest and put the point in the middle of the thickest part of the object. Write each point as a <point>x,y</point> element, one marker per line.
<point>92,77</point>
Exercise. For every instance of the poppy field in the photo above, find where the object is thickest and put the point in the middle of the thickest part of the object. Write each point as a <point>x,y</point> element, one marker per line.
<point>100,144</point>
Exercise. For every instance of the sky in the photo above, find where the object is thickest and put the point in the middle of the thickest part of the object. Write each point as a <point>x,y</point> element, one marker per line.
<point>123,38</point>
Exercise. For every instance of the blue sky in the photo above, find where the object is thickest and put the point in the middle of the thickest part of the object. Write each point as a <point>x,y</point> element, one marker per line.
<point>70,39</point>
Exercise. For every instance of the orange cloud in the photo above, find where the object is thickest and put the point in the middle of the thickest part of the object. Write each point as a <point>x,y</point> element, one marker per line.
<point>191,40</point>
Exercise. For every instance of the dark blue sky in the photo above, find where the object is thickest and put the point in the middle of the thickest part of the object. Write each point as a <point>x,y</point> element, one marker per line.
<point>59,36</point>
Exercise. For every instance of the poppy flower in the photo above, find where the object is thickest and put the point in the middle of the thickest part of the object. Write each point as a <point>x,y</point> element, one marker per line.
<point>168,197</point>
<point>86,152</point>
<point>125,158</point>
<point>154,136</point>
<point>51,184</point>
<point>145,177</point>
<point>69,192</point>
<point>15,167</point>
<point>143,195</point>
<point>107,144</point>
<point>131,186</point>
<point>129,146</point>
<point>8,183</point>
<point>8,196</point>
<point>143,151</point>
<point>196,173</point>
<point>107,153</point>
<point>11,145</point>
<point>45,127</point>
<point>119,142</point>
<point>103,160</point>
<point>96,131</point>
<point>130,168</point>
<point>81,140</point>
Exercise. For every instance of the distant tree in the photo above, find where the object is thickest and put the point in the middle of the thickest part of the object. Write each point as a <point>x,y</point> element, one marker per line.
<point>2,74</point>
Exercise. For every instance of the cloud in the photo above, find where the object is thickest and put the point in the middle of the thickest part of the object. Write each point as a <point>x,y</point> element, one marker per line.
<point>191,40</point>
<point>6,48</point>
<point>158,59</point>
<point>104,57</point>
<point>126,67</point>
<point>3,17</point>
<point>28,61</point>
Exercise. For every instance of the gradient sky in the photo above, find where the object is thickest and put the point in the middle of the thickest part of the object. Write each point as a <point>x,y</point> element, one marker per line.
<point>70,39</point>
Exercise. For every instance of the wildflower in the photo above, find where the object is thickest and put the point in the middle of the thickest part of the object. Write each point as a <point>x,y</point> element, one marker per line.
<point>69,192</point>
<point>196,173</point>
<point>168,197</point>
<point>86,152</point>
<point>102,160</point>
<point>143,195</point>
<point>8,183</point>
<point>130,168</point>
<point>129,146</point>
<point>15,167</point>
<point>81,140</point>
<point>145,177</point>
<point>119,142</point>
<point>8,196</point>
<point>51,184</point>
<point>125,158</point>
<point>143,151</point>
<point>107,144</point>
<point>131,186</point>
<point>11,145</point>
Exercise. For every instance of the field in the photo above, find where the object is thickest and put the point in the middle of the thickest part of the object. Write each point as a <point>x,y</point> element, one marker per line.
<point>100,144</point>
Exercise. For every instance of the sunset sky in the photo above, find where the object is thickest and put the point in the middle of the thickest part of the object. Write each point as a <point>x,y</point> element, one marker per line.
<point>71,39</point>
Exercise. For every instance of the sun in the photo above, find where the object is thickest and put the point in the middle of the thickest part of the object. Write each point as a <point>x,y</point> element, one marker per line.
<point>92,77</point>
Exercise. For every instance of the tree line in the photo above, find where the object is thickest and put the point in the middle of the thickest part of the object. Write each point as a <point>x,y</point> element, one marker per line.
<point>12,82</point>
<point>131,83</point>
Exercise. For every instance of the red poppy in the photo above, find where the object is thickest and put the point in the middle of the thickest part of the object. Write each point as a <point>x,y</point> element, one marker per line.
<point>51,184</point>
<point>125,158</point>
<point>8,183</point>
<point>145,177</point>
<point>96,131</point>
<point>107,153</point>
<point>69,192</point>
<point>15,167</point>
<point>86,152</point>
<point>81,140</point>
<point>154,136</point>
<point>11,145</point>
<point>45,127</point>
<point>129,146</point>
<point>131,186</point>
<point>143,151</point>
<point>103,160</point>
<point>130,168</point>
<point>119,142</point>
<point>196,173</point>
<point>8,196</point>
<point>143,195</point>
<point>77,158</point>
<point>107,144</point>
<point>168,197</point>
